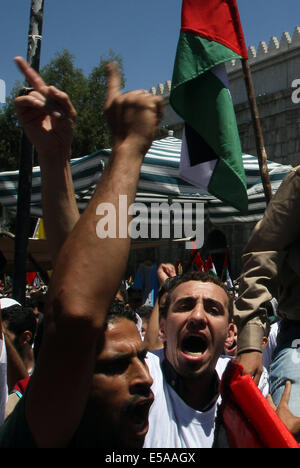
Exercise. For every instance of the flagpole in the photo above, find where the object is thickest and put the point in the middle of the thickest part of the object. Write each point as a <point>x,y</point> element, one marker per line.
<point>26,163</point>
<point>260,146</point>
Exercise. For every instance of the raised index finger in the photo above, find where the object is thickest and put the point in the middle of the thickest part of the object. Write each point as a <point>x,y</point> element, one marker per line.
<point>113,83</point>
<point>32,77</point>
<point>287,392</point>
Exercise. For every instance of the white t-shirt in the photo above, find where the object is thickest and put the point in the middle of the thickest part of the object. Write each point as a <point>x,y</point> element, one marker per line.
<point>174,424</point>
<point>271,346</point>
<point>3,379</point>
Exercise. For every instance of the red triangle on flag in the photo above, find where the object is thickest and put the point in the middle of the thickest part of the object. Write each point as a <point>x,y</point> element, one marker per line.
<point>216,20</point>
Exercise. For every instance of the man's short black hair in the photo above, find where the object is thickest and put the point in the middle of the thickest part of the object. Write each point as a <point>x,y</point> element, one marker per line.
<point>196,276</point>
<point>19,319</point>
<point>120,310</point>
<point>132,291</point>
<point>145,312</point>
<point>167,286</point>
<point>123,292</point>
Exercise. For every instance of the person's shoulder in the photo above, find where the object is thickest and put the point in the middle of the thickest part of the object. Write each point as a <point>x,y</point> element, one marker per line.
<point>154,361</point>
<point>155,357</point>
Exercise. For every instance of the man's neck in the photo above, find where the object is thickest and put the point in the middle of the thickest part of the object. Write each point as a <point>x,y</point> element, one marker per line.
<point>200,393</point>
<point>28,359</point>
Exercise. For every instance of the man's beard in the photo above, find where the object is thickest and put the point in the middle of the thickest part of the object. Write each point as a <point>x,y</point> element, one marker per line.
<point>97,432</point>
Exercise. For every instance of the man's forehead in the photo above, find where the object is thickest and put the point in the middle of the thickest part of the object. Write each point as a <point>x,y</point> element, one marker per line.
<point>118,327</point>
<point>121,335</point>
<point>195,288</point>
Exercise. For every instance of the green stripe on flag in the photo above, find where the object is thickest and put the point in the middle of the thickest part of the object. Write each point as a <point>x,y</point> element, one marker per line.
<point>195,56</point>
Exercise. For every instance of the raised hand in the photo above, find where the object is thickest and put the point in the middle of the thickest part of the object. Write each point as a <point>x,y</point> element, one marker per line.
<point>252,364</point>
<point>133,116</point>
<point>46,114</point>
<point>283,411</point>
<point>165,271</point>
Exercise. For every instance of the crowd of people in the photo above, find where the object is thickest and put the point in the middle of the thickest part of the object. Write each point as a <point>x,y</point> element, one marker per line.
<point>101,367</point>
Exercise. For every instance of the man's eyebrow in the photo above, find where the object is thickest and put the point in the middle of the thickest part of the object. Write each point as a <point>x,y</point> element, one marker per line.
<point>117,357</point>
<point>222,307</point>
<point>123,356</point>
<point>184,299</point>
<point>215,301</point>
<point>193,298</point>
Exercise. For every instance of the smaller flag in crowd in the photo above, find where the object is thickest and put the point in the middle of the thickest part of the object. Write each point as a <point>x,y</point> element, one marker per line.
<point>198,262</point>
<point>225,272</point>
<point>33,278</point>
<point>209,266</point>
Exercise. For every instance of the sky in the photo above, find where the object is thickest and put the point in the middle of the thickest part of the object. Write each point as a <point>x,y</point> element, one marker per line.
<point>144,34</point>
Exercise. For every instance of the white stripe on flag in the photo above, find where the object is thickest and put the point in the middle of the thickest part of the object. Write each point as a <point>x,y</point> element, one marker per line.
<point>198,175</point>
<point>221,73</point>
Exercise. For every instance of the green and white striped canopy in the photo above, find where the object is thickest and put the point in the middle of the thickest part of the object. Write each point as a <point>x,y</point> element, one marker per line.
<point>159,181</point>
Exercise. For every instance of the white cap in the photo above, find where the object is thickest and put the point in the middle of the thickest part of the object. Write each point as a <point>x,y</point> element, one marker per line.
<point>8,302</point>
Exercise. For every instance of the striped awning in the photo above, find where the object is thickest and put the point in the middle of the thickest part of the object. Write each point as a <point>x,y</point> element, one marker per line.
<point>159,180</point>
<point>220,213</point>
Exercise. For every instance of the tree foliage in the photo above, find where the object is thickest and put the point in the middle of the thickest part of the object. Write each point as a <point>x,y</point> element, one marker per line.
<point>10,134</point>
<point>87,95</point>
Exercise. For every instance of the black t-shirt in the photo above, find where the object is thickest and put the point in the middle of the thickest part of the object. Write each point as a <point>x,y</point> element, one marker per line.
<point>15,433</point>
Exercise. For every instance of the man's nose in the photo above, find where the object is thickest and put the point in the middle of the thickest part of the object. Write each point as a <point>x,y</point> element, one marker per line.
<point>197,318</point>
<point>141,379</point>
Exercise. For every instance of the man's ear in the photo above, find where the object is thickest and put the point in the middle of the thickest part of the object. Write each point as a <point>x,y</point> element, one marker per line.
<point>26,337</point>
<point>265,342</point>
<point>162,328</point>
<point>231,334</point>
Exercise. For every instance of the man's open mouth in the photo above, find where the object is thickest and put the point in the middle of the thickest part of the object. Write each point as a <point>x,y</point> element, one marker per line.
<point>139,414</point>
<point>195,345</point>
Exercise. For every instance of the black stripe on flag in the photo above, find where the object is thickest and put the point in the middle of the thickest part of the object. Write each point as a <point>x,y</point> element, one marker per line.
<point>199,150</point>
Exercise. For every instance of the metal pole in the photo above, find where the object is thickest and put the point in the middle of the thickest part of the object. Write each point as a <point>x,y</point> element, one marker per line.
<point>261,152</point>
<point>26,164</point>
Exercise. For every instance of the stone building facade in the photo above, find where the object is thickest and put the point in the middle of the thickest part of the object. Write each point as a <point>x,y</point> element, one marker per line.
<point>275,67</point>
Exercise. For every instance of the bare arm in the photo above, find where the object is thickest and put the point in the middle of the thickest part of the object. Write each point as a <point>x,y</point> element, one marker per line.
<point>74,316</point>
<point>47,116</point>
<point>60,212</point>
<point>16,369</point>
<point>151,339</point>
<point>283,411</point>
<point>164,271</point>
<point>262,260</point>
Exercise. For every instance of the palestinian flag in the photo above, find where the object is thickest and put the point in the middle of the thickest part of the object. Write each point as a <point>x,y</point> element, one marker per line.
<point>209,266</point>
<point>211,157</point>
<point>225,272</point>
<point>198,262</point>
<point>196,258</point>
<point>32,278</point>
<point>247,417</point>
